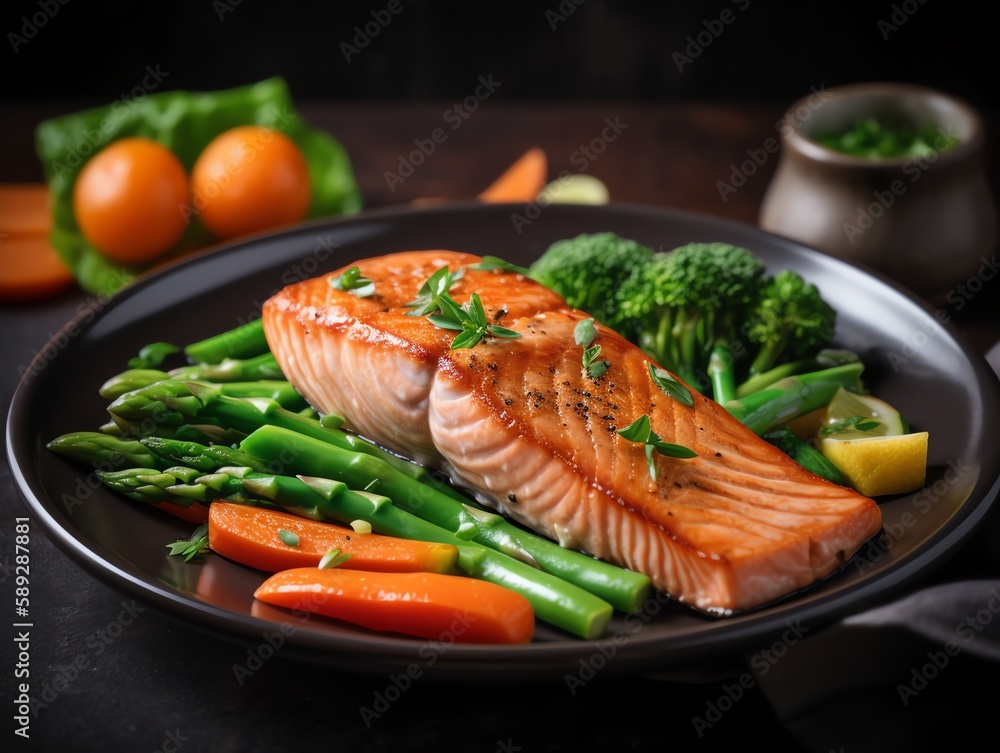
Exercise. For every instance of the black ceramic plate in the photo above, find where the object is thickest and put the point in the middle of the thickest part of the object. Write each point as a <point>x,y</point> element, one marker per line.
<point>914,360</point>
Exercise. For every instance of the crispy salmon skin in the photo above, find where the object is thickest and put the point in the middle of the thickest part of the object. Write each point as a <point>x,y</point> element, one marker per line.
<point>519,421</point>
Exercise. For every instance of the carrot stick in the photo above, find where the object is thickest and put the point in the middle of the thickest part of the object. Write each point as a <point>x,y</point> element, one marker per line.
<point>30,268</point>
<point>25,209</point>
<point>425,605</point>
<point>192,514</point>
<point>521,181</point>
<point>250,536</point>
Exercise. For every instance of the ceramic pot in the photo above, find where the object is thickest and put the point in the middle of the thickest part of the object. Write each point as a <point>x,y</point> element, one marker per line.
<point>927,222</point>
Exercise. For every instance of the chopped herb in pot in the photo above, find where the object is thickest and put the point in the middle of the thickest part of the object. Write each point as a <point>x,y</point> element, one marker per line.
<point>875,140</point>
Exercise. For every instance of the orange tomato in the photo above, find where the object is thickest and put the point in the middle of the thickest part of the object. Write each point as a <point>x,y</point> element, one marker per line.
<point>130,198</point>
<point>250,178</point>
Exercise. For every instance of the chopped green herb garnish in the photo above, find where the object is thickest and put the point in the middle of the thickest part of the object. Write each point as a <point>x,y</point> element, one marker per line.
<point>670,385</point>
<point>595,368</point>
<point>333,558</point>
<point>859,423</point>
<point>192,547</point>
<point>470,321</point>
<point>641,431</point>
<point>490,263</point>
<point>428,300</point>
<point>289,538</point>
<point>352,282</point>
<point>584,332</point>
<point>361,526</point>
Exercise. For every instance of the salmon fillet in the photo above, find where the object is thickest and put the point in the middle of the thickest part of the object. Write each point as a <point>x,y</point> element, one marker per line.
<point>520,422</point>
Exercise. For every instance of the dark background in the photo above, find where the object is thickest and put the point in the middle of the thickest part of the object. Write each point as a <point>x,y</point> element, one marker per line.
<point>165,676</point>
<point>771,52</point>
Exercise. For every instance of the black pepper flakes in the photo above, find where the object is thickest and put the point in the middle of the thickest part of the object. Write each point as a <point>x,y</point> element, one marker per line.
<point>508,401</point>
<point>492,366</point>
<point>718,454</point>
<point>512,498</point>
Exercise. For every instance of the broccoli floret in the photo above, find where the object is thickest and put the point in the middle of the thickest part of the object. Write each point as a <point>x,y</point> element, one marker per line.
<point>791,321</point>
<point>589,269</point>
<point>686,302</point>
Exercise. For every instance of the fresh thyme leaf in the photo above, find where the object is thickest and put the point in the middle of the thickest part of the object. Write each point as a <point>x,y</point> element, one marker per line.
<point>351,281</point>
<point>584,332</point>
<point>470,338</point>
<point>441,310</point>
<point>451,310</point>
<point>669,449</point>
<point>192,547</point>
<point>428,299</point>
<point>333,558</point>
<point>637,431</point>
<point>288,538</point>
<point>641,431</point>
<point>490,263</point>
<point>498,331</point>
<point>860,423</point>
<point>152,355</point>
<point>594,367</point>
<point>444,322</point>
<point>476,311</point>
<point>670,386</point>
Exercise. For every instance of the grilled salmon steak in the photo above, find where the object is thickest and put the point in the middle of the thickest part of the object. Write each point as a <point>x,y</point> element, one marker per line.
<point>521,423</point>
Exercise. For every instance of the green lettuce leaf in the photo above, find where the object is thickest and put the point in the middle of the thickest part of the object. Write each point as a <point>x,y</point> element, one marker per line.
<point>185,122</point>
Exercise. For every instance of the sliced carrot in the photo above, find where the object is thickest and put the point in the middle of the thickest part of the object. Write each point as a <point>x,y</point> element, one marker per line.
<point>25,209</point>
<point>250,536</point>
<point>30,268</point>
<point>521,181</point>
<point>192,514</point>
<point>425,605</point>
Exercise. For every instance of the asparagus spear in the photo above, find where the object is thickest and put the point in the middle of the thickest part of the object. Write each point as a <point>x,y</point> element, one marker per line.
<point>145,380</point>
<point>262,368</point>
<point>720,369</point>
<point>305,456</point>
<point>793,396</point>
<point>826,358</point>
<point>205,458</point>
<point>554,601</point>
<point>105,450</point>
<point>245,341</point>
<point>805,455</point>
<point>208,405</point>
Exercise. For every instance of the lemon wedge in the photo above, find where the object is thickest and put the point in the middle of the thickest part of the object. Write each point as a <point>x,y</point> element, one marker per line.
<point>576,188</point>
<point>807,427</point>
<point>853,416</point>
<point>880,465</point>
